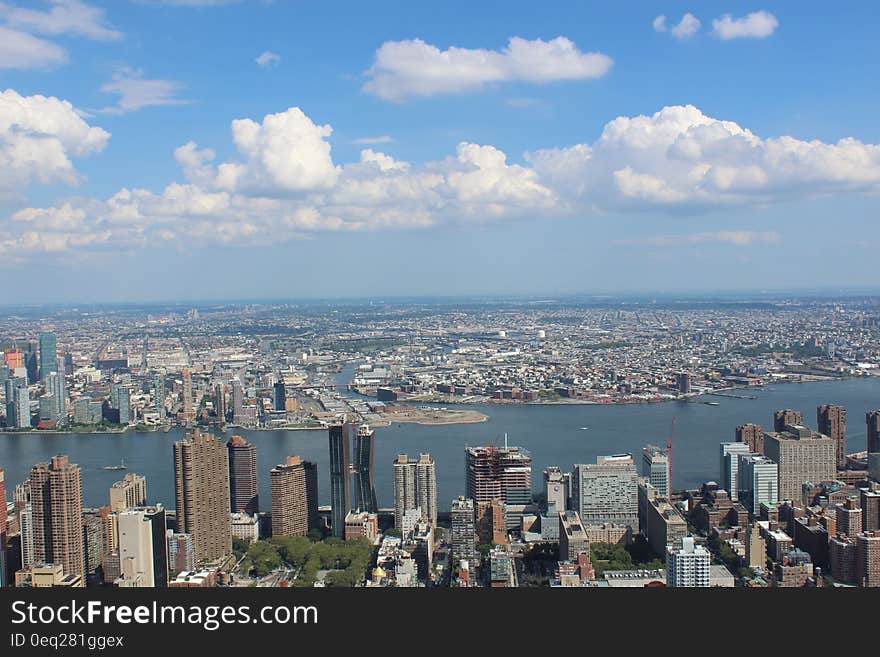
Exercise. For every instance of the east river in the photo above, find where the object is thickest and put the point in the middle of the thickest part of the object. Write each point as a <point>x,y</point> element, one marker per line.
<point>555,435</point>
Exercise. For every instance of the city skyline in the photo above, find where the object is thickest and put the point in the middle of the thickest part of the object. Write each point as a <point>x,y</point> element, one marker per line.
<point>611,149</point>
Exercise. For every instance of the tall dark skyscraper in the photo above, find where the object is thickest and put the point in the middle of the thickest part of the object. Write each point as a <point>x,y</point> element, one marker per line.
<point>365,488</point>
<point>786,416</point>
<point>872,418</point>
<point>340,484</point>
<point>831,422</point>
<point>243,490</point>
<point>279,396</point>
<point>48,355</point>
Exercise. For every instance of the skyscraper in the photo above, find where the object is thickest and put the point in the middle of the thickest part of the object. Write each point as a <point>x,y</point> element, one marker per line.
<point>758,481</point>
<point>786,416</point>
<point>831,422</point>
<point>21,407</point>
<point>340,481</point>
<point>143,547</point>
<point>498,473</point>
<point>279,396</point>
<point>237,401</point>
<point>405,497</point>
<point>365,488</point>
<point>426,482</point>
<point>159,394</point>
<point>802,455</point>
<point>655,466</point>
<point>464,530</point>
<point>201,486</point>
<point>752,435</point>
<point>872,419</point>
<point>48,355</point>
<point>415,487</point>
<point>129,493</point>
<point>54,383</point>
<point>243,490</point>
<point>189,411</point>
<point>56,502</point>
<point>3,559</point>
<point>294,497</point>
<point>730,453</point>
<point>608,491</point>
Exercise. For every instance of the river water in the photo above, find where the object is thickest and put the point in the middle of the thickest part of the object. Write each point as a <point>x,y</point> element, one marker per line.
<point>553,434</point>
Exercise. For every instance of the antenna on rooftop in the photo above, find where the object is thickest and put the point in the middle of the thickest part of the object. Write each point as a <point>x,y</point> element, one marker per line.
<point>505,440</point>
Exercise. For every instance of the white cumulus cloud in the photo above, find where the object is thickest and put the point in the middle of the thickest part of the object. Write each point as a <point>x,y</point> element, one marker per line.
<point>286,153</point>
<point>684,29</point>
<point>284,184</point>
<point>757,25</point>
<point>404,69</point>
<point>38,137</point>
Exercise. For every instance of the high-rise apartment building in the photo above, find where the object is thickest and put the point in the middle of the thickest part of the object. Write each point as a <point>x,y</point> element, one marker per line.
<point>464,530</point>
<point>870,503</point>
<point>688,565</point>
<point>802,455</point>
<point>243,486</point>
<point>849,518</point>
<point>340,480</point>
<point>607,491</point>
<point>868,559</point>
<point>415,487</point>
<point>831,421</point>
<point>129,493</point>
<point>365,487</point>
<point>56,503</point>
<point>294,485</point>
<point>498,473</point>
<point>752,435</point>
<point>189,409</point>
<point>655,466</point>
<point>785,417</point>
<point>201,486</point>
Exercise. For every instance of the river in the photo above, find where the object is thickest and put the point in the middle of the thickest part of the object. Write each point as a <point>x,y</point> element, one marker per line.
<point>552,433</point>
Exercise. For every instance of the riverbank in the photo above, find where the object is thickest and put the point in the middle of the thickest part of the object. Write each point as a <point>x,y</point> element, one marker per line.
<point>425,416</point>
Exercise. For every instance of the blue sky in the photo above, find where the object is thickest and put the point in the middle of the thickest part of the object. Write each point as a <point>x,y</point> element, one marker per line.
<point>380,149</point>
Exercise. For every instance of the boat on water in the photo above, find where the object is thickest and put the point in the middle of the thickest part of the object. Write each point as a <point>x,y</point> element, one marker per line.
<point>712,403</point>
<point>585,428</point>
<point>121,466</point>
